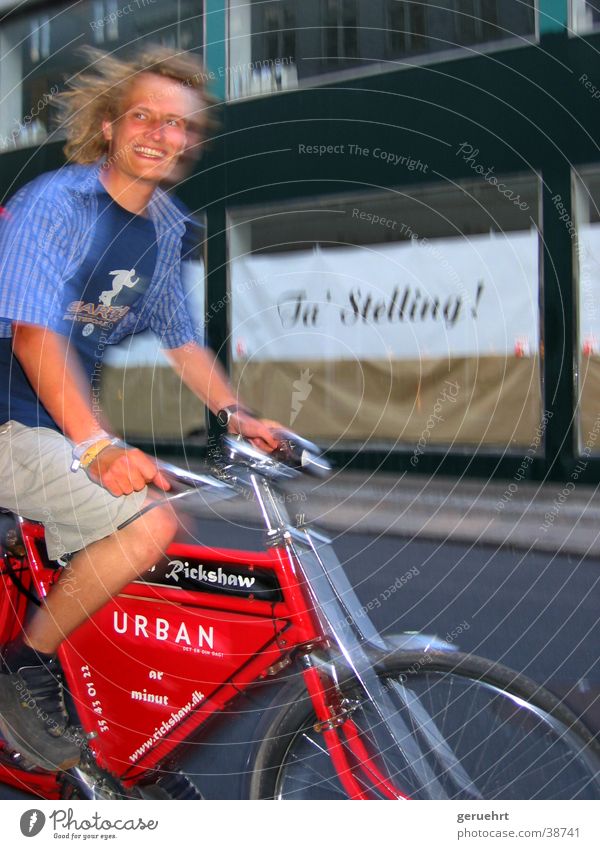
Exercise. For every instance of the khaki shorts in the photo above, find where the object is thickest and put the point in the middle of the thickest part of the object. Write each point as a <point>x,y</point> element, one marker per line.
<point>36,482</point>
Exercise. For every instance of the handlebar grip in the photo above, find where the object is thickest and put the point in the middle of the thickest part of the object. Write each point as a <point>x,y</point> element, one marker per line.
<point>301,454</point>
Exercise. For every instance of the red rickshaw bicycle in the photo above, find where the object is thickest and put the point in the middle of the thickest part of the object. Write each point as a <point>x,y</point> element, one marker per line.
<point>355,715</point>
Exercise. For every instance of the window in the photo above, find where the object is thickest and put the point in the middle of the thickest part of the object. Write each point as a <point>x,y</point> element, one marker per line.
<point>280,35</point>
<point>39,51</point>
<point>106,24</point>
<point>340,28</point>
<point>586,229</point>
<point>477,22</point>
<point>360,320</point>
<point>407,27</point>
<point>585,15</point>
<point>39,38</point>
<point>278,44</point>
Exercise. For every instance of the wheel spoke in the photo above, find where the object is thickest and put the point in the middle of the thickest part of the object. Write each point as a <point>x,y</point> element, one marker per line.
<point>307,764</point>
<point>468,728</point>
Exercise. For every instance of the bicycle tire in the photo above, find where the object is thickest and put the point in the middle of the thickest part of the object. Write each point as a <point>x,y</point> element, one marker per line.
<point>515,739</point>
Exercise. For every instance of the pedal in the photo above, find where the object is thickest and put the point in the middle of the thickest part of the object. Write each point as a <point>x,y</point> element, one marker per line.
<point>13,759</point>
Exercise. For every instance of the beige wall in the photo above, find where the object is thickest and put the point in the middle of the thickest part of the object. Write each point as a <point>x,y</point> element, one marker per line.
<point>589,380</point>
<point>149,402</point>
<point>490,400</point>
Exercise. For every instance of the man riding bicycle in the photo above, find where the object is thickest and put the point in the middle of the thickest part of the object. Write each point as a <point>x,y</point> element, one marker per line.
<point>90,254</point>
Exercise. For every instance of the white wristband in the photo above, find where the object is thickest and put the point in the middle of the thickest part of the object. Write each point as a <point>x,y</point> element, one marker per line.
<point>83,447</point>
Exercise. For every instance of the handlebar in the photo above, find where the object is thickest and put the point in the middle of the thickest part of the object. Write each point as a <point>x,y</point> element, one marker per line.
<point>235,466</point>
<point>294,456</point>
<point>299,453</point>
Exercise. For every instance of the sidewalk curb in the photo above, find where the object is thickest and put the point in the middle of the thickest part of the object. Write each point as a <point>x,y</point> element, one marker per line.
<point>529,516</point>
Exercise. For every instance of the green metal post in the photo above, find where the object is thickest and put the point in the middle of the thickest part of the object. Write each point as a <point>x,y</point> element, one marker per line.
<point>215,45</point>
<point>553,16</point>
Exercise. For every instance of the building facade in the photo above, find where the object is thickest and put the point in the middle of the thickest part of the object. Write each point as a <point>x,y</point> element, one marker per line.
<point>401,253</point>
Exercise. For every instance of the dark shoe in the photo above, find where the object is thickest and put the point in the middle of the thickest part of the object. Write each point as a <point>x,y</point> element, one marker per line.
<point>33,719</point>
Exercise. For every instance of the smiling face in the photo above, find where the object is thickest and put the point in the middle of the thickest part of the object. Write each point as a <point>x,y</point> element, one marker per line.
<point>146,141</point>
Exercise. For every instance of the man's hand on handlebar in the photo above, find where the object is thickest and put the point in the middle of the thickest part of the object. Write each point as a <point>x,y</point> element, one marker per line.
<point>125,470</point>
<point>258,431</point>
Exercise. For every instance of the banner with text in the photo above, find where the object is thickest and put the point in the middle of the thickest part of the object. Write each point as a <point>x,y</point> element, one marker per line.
<point>470,296</point>
<point>589,302</point>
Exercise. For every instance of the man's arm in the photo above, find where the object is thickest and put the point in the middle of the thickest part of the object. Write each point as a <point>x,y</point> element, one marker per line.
<point>59,382</point>
<point>57,379</point>
<point>203,374</point>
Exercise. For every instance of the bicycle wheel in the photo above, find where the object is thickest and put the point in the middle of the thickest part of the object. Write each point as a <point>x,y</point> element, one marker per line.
<point>511,738</point>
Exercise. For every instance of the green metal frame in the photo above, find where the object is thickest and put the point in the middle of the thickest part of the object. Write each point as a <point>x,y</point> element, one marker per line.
<point>553,15</point>
<point>215,44</point>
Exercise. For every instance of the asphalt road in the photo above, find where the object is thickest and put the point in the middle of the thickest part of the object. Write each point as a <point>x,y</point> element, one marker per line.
<point>535,612</point>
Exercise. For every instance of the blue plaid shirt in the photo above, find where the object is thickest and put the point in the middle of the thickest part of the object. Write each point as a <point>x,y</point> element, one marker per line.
<point>46,233</point>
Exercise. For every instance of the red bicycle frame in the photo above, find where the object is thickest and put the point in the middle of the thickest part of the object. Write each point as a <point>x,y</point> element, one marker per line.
<point>173,649</point>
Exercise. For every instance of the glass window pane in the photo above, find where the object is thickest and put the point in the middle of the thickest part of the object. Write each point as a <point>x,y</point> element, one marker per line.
<point>112,22</point>
<point>38,52</point>
<point>585,15</point>
<point>410,317</point>
<point>331,29</point>
<point>349,32</point>
<point>279,43</point>
<point>586,210</point>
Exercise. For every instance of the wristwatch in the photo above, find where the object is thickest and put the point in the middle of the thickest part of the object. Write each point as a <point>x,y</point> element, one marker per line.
<point>225,413</point>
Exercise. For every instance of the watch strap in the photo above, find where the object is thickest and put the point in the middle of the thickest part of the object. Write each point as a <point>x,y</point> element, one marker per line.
<point>225,413</point>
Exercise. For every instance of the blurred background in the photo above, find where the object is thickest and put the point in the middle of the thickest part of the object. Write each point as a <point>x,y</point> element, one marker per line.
<point>400,201</point>
<point>395,250</point>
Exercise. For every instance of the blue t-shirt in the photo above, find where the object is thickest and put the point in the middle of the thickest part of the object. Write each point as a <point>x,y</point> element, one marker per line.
<point>112,278</point>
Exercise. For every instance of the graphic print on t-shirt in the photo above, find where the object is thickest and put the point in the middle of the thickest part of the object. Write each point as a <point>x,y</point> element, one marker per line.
<point>104,314</point>
<point>113,277</point>
<point>122,278</point>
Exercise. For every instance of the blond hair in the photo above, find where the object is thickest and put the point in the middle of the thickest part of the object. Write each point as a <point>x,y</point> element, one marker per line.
<point>99,94</point>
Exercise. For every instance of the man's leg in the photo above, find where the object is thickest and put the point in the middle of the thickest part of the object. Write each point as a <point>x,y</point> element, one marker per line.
<point>32,712</point>
<point>80,516</point>
<point>96,574</point>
